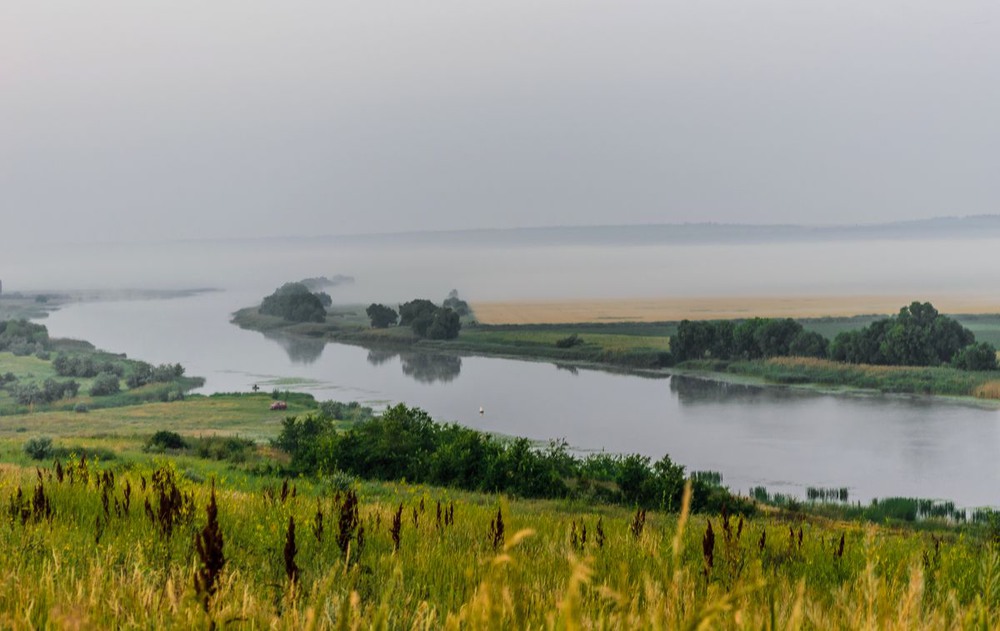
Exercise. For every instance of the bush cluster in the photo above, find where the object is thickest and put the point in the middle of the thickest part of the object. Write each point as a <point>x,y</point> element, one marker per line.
<point>51,390</point>
<point>23,338</point>
<point>143,374</point>
<point>85,366</point>
<point>406,444</point>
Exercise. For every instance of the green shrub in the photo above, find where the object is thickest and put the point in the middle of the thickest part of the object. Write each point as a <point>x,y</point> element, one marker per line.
<point>105,384</point>
<point>569,342</point>
<point>39,448</point>
<point>164,439</point>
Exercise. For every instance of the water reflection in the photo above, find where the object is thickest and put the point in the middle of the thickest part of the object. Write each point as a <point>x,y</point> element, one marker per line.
<point>428,368</point>
<point>377,357</point>
<point>422,367</point>
<point>695,391</point>
<point>300,349</point>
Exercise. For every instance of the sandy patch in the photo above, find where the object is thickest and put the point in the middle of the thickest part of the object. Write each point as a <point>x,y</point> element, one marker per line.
<point>716,308</point>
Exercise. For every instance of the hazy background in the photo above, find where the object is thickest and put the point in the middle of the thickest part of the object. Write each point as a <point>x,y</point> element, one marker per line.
<point>153,120</point>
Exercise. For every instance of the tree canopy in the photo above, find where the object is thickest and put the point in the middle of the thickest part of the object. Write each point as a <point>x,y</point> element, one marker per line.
<point>429,320</point>
<point>381,316</point>
<point>295,303</point>
<point>917,336</point>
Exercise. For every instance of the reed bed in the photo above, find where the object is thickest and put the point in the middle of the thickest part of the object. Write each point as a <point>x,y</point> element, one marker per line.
<point>902,379</point>
<point>82,546</point>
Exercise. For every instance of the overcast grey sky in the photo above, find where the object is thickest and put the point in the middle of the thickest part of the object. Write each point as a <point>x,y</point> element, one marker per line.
<point>132,120</point>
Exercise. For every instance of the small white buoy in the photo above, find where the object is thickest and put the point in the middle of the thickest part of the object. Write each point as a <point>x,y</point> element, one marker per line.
<point>481,410</point>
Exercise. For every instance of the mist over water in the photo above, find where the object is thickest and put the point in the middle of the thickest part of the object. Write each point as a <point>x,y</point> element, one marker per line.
<point>397,269</point>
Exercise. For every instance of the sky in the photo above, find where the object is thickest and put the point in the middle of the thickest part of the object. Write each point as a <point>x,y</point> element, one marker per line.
<point>175,119</point>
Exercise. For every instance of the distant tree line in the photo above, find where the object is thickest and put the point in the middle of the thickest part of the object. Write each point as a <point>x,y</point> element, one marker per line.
<point>405,443</point>
<point>756,338</point>
<point>917,336</point>
<point>295,303</point>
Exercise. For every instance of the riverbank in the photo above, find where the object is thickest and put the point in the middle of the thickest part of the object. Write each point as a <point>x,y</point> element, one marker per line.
<point>628,346</point>
<point>645,347</point>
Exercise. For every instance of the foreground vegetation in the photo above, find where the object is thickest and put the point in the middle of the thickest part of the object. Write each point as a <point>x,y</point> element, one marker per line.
<point>307,554</point>
<point>120,501</point>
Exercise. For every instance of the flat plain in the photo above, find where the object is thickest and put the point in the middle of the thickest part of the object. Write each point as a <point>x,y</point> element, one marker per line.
<point>668,309</point>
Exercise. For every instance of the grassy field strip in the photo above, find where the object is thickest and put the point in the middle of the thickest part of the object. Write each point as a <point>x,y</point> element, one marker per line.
<point>716,308</point>
<point>247,416</point>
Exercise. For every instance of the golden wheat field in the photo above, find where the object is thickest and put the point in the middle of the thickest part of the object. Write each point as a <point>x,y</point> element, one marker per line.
<point>716,308</point>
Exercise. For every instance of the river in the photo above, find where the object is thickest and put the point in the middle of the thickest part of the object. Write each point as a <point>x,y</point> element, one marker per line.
<point>781,438</point>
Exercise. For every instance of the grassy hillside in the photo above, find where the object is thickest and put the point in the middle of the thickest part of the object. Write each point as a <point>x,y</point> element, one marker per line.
<point>72,543</point>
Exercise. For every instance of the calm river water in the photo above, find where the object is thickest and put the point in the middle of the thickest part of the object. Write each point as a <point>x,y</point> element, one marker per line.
<point>780,438</point>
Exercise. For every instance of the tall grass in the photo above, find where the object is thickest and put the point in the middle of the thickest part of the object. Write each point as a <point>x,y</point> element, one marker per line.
<point>95,560</point>
<point>897,379</point>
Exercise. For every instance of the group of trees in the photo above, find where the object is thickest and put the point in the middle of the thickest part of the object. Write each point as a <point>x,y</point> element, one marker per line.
<point>295,303</point>
<point>22,337</point>
<point>917,336</point>
<point>424,318</point>
<point>405,443</point>
<point>143,374</point>
<point>755,338</point>
<point>85,366</point>
<point>50,391</point>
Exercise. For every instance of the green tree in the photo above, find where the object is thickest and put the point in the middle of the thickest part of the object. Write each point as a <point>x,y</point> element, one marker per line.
<point>809,344</point>
<point>295,303</point>
<point>381,316</point>
<point>105,384</point>
<point>982,356</point>
<point>416,309</point>
<point>444,325</point>
<point>456,304</point>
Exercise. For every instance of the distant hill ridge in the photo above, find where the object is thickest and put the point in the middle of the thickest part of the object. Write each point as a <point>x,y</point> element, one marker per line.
<point>971,227</point>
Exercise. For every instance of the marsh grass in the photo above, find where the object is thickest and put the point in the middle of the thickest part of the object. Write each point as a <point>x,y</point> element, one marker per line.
<point>897,379</point>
